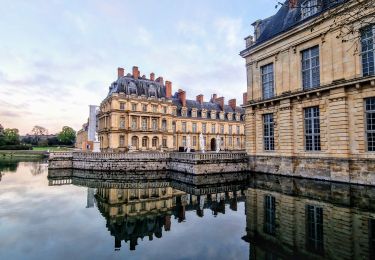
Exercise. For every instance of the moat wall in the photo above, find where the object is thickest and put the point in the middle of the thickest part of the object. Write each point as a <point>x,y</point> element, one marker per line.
<point>192,163</point>
<point>358,171</point>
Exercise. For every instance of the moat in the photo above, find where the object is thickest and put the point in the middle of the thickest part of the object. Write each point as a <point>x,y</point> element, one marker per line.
<point>75,214</point>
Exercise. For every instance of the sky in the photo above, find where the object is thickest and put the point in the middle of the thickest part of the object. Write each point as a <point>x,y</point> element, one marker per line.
<point>58,57</point>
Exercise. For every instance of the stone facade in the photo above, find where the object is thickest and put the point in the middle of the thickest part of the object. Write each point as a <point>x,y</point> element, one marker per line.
<point>346,216</point>
<point>334,144</point>
<point>142,114</point>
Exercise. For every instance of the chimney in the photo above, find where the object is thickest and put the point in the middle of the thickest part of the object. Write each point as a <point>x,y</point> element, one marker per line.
<point>213,98</point>
<point>120,72</point>
<point>182,97</point>
<point>200,99</point>
<point>152,76</point>
<point>244,98</point>
<point>220,101</point>
<point>168,89</point>
<point>232,103</point>
<point>135,72</point>
<point>160,80</point>
<point>293,3</point>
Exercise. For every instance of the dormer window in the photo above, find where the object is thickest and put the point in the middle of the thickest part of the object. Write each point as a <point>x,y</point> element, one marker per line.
<point>132,88</point>
<point>309,8</point>
<point>152,91</point>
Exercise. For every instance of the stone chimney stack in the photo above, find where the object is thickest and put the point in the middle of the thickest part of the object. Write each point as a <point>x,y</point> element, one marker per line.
<point>160,80</point>
<point>213,97</point>
<point>293,3</point>
<point>152,76</point>
<point>244,98</point>
<point>120,72</point>
<point>182,97</point>
<point>136,72</point>
<point>232,103</point>
<point>220,101</point>
<point>200,99</point>
<point>168,89</point>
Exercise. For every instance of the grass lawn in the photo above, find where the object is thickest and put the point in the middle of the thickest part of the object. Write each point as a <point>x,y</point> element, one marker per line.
<point>51,149</point>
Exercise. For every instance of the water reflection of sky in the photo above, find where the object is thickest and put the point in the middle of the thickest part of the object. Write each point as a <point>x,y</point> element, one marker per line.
<point>38,221</point>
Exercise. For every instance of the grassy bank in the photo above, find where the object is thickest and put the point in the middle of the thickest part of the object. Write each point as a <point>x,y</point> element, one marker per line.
<point>51,149</point>
<point>19,154</point>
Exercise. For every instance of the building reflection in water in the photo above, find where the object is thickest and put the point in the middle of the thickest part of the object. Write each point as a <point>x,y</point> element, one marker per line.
<point>295,218</point>
<point>136,213</point>
<point>286,218</point>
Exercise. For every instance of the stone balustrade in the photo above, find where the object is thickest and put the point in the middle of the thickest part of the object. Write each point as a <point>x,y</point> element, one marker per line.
<point>192,163</point>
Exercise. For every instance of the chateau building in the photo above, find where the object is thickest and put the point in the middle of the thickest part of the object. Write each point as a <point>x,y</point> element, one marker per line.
<point>142,114</point>
<point>310,108</point>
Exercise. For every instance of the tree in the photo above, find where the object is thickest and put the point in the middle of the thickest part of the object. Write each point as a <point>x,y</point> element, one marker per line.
<point>67,135</point>
<point>38,131</point>
<point>349,17</point>
<point>2,136</point>
<point>11,136</point>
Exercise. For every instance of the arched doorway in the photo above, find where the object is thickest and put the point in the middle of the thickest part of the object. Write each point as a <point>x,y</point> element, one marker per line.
<point>213,144</point>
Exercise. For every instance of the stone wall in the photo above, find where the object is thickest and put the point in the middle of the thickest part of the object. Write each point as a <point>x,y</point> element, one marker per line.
<point>192,163</point>
<point>359,171</point>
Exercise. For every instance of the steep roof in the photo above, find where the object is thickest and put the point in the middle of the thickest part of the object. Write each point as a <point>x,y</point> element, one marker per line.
<point>141,86</point>
<point>286,19</point>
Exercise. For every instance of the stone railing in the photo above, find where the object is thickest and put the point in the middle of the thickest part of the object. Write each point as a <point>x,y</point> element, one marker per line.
<point>119,156</point>
<point>208,156</point>
<point>60,155</point>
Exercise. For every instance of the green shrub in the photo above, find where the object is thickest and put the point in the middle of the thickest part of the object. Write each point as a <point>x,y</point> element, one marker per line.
<point>15,147</point>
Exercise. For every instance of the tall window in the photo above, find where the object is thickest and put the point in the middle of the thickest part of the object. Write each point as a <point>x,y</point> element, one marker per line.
<point>213,128</point>
<point>184,141</point>
<point>174,127</point>
<point>154,142</point>
<point>309,8</point>
<point>268,129</point>
<point>122,106</point>
<point>144,108</point>
<point>267,81</point>
<point>204,128</point>
<point>314,228</point>
<point>144,123</point>
<point>134,107</point>
<point>134,122</point>
<point>312,129</point>
<point>194,126</point>
<point>165,110</point>
<point>122,123</point>
<point>230,142</point>
<point>164,124</point>
<point>144,142</point>
<point>221,129</point>
<point>164,142</point>
<point>184,127</point>
<point>370,124</point>
<point>154,124</point>
<point>230,130</point>
<point>310,68</point>
<point>367,42</point>
<point>122,141</point>
<point>238,129</point>
<point>194,141</point>
<point>269,214</point>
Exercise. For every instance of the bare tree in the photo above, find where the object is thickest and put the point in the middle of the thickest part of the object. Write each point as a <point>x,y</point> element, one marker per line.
<point>349,17</point>
<point>39,131</point>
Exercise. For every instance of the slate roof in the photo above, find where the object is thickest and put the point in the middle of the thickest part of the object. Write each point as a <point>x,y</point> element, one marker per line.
<point>141,86</point>
<point>128,85</point>
<point>286,19</point>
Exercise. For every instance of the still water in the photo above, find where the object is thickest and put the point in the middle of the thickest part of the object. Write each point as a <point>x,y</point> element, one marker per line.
<point>81,215</point>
